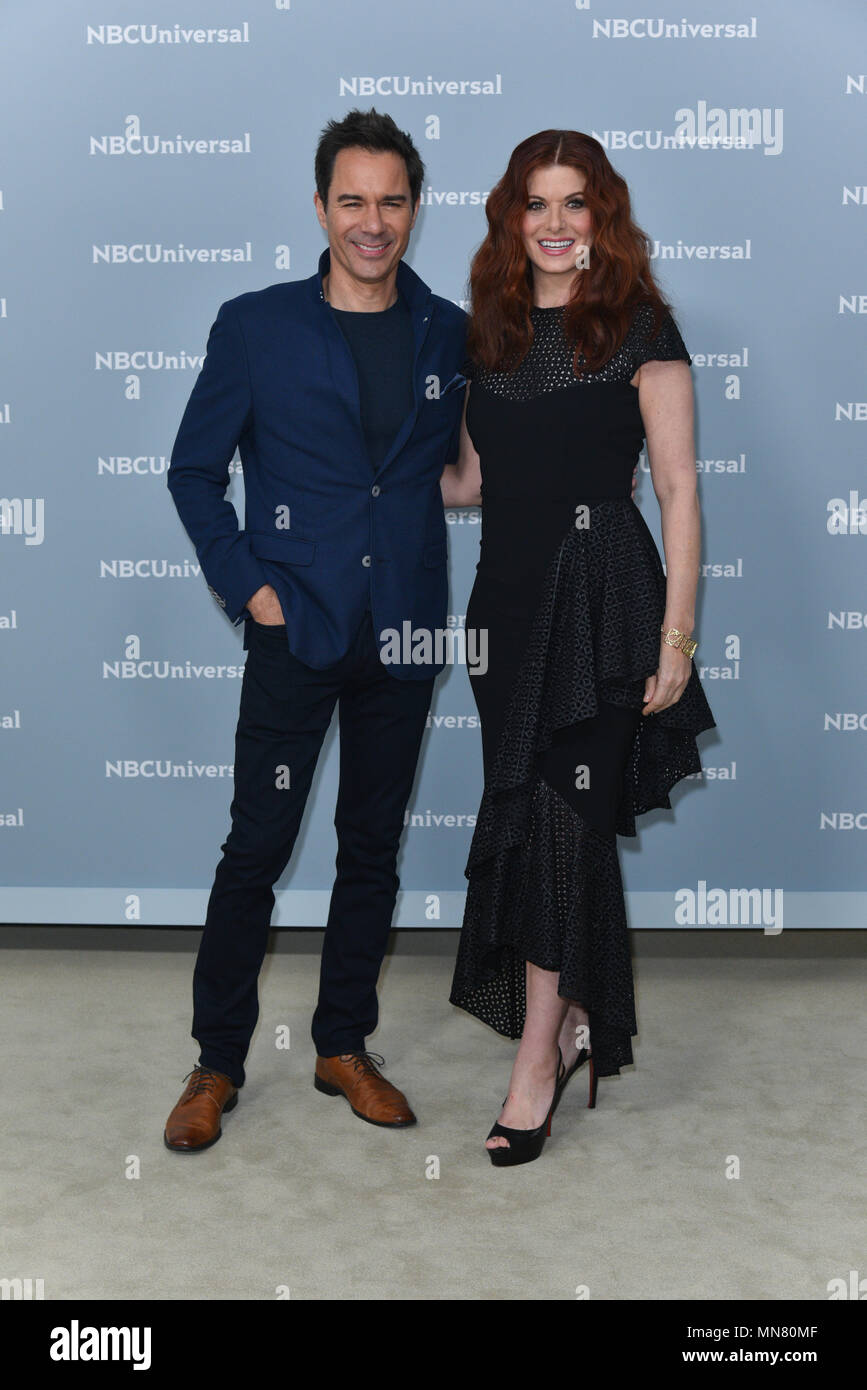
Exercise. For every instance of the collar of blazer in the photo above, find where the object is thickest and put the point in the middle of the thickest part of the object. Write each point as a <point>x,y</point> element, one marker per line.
<point>420,301</point>
<point>414,290</point>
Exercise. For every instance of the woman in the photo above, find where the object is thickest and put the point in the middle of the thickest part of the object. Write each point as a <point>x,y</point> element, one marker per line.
<point>590,702</point>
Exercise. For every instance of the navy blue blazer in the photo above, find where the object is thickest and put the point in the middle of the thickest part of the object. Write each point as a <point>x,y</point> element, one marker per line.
<point>331,534</point>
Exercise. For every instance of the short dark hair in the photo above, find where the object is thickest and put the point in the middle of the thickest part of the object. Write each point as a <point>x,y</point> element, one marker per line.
<point>366,130</point>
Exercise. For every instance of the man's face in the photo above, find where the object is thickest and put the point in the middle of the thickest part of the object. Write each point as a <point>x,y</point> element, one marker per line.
<point>368,216</point>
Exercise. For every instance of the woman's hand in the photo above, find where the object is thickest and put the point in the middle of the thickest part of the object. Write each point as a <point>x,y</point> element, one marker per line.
<point>666,686</point>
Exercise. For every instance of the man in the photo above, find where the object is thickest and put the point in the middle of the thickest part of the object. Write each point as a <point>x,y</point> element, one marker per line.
<point>344,394</point>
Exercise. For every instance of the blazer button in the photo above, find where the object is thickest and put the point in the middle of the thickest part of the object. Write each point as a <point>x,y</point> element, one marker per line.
<point>375,490</point>
<point>365,560</point>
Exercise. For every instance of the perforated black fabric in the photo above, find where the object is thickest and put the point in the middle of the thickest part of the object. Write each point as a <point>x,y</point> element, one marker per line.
<point>574,615</point>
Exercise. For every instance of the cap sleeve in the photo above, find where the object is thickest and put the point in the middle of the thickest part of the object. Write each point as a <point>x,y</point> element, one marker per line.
<point>666,346</point>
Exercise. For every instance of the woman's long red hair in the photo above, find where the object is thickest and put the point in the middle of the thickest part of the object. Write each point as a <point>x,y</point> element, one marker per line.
<point>606,292</point>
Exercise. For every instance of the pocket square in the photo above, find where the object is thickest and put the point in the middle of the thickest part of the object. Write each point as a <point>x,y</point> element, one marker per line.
<point>457,381</point>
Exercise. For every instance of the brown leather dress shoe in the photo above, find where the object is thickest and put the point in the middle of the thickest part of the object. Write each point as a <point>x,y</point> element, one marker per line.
<point>194,1124</point>
<point>372,1098</point>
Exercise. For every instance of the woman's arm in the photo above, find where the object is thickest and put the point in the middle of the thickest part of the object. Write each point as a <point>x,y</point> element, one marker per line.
<point>461,482</point>
<point>665,398</point>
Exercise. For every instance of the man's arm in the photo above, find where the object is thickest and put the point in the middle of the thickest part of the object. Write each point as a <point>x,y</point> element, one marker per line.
<point>461,482</point>
<point>217,413</point>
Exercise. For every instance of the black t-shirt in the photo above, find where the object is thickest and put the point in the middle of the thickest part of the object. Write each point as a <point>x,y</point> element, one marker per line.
<point>383,348</point>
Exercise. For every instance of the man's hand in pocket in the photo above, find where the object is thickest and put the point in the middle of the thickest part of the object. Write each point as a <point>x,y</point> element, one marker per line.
<point>264,606</point>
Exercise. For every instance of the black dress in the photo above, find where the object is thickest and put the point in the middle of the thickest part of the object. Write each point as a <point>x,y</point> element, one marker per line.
<point>571,591</point>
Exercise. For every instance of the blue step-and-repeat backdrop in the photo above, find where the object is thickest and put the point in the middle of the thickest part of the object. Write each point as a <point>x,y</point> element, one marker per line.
<point>157,159</point>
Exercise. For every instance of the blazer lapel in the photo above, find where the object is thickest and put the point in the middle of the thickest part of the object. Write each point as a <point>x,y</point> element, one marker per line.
<point>342,365</point>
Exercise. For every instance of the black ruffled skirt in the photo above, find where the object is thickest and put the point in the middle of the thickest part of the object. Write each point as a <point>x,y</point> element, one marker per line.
<point>544,884</point>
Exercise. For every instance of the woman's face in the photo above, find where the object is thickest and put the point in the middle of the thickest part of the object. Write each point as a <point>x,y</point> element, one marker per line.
<point>556,223</point>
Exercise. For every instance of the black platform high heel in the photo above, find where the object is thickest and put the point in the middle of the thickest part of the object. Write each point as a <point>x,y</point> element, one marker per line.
<point>527,1144</point>
<point>583,1056</point>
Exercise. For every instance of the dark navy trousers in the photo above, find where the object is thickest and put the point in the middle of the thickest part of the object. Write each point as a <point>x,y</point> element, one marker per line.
<point>286,708</point>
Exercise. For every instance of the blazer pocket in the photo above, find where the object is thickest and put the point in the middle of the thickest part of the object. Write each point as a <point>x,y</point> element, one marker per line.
<point>435,554</point>
<point>287,550</point>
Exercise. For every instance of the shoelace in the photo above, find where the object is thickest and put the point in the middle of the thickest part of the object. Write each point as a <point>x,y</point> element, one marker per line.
<point>204,1082</point>
<point>364,1061</point>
